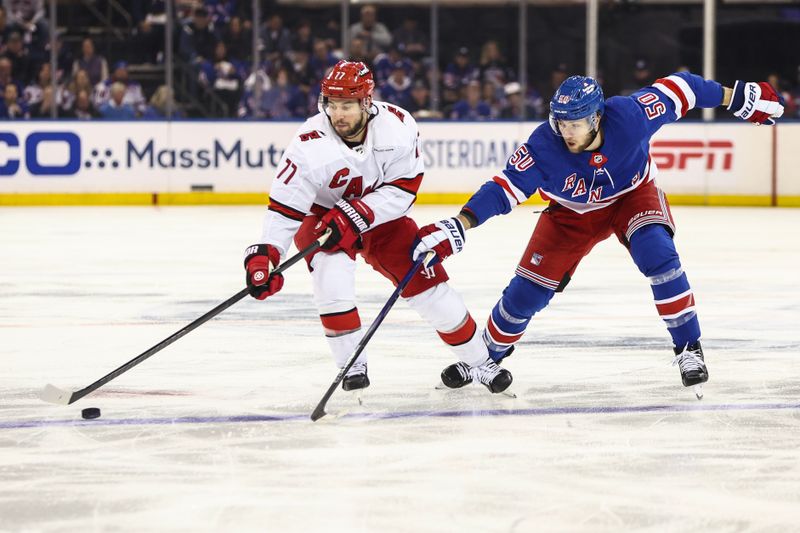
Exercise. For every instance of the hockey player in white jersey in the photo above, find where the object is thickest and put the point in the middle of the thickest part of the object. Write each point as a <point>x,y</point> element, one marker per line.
<point>355,168</point>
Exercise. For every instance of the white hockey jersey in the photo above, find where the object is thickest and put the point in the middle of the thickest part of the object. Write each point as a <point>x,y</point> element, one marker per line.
<point>318,169</point>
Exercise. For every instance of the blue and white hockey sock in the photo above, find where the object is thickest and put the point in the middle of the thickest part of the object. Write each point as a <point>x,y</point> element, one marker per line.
<point>674,301</point>
<point>654,252</point>
<point>511,315</point>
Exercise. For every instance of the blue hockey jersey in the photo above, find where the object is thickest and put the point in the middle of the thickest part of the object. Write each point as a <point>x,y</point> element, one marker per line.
<point>593,180</point>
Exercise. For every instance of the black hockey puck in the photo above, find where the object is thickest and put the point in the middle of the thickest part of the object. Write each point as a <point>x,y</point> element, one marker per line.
<point>90,412</point>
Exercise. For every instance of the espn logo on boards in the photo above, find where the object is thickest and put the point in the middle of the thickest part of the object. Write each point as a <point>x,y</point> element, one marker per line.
<point>680,155</point>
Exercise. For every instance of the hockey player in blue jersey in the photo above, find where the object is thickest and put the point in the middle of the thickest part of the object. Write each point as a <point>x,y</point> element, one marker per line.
<point>592,162</point>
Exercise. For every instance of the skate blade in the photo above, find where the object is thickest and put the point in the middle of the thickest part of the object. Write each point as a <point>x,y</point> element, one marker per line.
<point>441,386</point>
<point>508,393</point>
<point>698,391</point>
<point>358,399</point>
<point>358,396</point>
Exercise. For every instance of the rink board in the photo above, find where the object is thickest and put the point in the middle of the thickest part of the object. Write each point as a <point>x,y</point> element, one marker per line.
<point>226,162</point>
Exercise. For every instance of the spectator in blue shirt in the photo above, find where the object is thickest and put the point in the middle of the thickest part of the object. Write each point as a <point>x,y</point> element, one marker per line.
<point>115,108</point>
<point>12,106</point>
<point>397,89</point>
<point>321,60</point>
<point>472,107</point>
<point>284,100</point>
<point>460,71</point>
<point>385,63</point>
<point>157,108</point>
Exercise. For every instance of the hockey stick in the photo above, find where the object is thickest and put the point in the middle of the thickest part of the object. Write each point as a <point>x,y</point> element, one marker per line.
<point>319,411</point>
<point>53,394</point>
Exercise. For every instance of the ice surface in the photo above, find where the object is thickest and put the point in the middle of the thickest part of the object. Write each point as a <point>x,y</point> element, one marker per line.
<point>212,433</point>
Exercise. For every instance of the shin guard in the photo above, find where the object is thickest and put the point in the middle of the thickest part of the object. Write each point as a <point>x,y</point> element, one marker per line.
<point>443,308</point>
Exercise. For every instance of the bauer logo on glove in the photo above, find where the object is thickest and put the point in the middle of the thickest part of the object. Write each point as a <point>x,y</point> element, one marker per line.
<point>445,238</point>
<point>456,235</point>
<point>756,102</point>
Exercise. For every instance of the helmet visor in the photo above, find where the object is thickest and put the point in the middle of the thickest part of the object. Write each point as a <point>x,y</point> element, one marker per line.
<point>327,104</point>
<point>575,128</point>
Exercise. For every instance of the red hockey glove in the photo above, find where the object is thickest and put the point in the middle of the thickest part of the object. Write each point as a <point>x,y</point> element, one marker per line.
<point>445,238</point>
<point>347,220</point>
<point>257,259</point>
<point>756,102</point>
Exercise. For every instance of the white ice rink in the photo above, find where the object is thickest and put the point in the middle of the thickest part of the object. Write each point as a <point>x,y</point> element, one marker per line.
<point>212,433</point>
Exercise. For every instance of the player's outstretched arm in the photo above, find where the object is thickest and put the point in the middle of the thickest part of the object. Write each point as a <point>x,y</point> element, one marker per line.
<point>756,102</point>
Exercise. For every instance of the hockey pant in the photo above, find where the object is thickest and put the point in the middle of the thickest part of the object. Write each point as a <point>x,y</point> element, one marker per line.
<point>386,249</point>
<point>442,307</point>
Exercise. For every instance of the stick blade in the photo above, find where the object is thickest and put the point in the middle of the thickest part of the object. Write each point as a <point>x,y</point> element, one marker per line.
<point>318,413</point>
<point>53,394</point>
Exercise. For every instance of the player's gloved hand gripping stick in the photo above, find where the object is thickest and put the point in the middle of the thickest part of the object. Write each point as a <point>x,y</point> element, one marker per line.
<point>55,395</point>
<point>444,238</point>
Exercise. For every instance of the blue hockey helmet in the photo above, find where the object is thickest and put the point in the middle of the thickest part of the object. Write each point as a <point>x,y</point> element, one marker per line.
<point>577,97</point>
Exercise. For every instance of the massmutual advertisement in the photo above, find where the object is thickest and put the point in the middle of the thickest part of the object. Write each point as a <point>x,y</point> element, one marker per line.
<point>235,161</point>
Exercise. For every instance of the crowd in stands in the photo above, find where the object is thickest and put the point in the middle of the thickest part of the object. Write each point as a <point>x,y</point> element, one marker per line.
<point>214,39</point>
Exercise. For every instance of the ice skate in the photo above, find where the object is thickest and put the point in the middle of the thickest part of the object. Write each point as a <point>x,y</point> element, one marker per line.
<point>495,378</point>
<point>456,376</point>
<point>356,380</point>
<point>692,366</point>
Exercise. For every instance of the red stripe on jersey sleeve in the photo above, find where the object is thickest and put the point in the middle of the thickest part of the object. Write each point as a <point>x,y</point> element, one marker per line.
<point>672,86</point>
<point>410,185</point>
<point>285,210</point>
<point>675,308</point>
<point>462,335</point>
<point>504,185</point>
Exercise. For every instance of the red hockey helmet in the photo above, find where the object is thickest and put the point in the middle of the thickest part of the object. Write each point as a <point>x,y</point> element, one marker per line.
<point>348,79</point>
